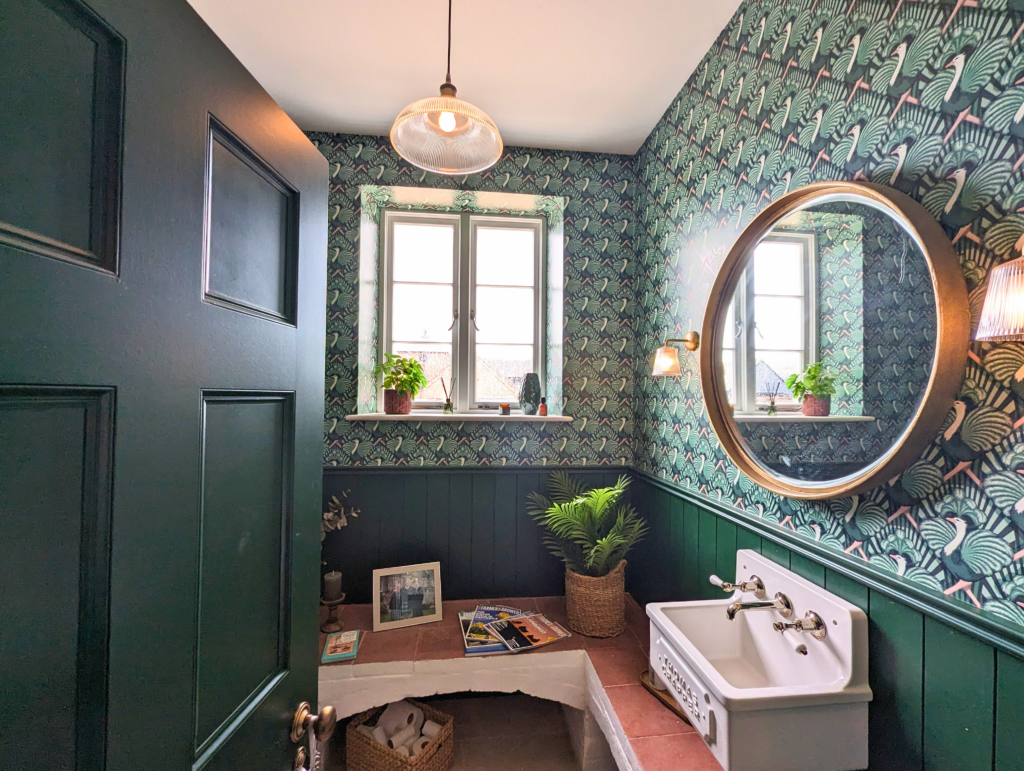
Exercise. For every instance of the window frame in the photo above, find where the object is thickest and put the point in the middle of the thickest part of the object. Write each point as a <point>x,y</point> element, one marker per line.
<point>743,302</point>
<point>464,329</point>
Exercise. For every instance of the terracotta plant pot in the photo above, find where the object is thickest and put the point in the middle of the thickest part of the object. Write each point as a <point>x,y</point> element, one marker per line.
<point>395,403</point>
<point>597,606</point>
<point>817,406</point>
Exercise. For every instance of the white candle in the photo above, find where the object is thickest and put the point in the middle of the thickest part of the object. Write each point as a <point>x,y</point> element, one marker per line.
<point>332,586</point>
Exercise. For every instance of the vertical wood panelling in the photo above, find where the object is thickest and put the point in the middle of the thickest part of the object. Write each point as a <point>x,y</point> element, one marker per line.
<point>528,541</point>
<point>662,568</point>
<point>482,557</point>
<point>806,568</point>
<point>677,547</point>
<point>775,552</point>
<point>504,575</point>
<point>460,533</point>
<point>691,548</point>
<point>707,554</point>
<point>725,558</point>
<point>851,591</point>
<point>438,504</point>
<point>959,682</point>
<point>390,498</point>
<point>896,667</point>
<point>748,539</point>
<point>414,518</point>
<point>1009,712</point>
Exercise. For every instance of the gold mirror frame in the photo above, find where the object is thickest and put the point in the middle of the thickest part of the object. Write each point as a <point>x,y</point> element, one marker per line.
<point>952,338</point>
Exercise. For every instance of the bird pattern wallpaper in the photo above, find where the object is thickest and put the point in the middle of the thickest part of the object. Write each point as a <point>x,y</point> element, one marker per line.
<point>926,97</point>
<point>599,272</point>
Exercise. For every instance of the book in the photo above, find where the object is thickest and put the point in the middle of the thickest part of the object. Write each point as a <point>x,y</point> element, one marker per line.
<point>474,647</point>
<point>526,632</point>
<point>485,614</point>
<point>341,646</point>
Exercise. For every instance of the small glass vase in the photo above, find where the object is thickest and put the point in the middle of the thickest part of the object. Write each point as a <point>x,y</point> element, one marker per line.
<point>529,394</point>
<point>449,408</point>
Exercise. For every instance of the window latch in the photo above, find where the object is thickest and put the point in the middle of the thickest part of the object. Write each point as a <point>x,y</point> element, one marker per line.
<point>455,317</point>
<point>472,317</point>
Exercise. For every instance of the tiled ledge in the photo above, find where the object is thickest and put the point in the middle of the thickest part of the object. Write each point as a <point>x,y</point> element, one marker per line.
<point>600,675</point>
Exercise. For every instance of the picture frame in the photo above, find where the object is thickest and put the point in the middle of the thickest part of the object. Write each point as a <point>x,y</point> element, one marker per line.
<point>406,596</point>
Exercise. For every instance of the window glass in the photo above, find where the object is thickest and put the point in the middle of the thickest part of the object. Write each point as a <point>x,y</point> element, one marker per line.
<point>778,268</point>
<point>505,256</point>
<point>500,370</point>
<point>504,315</point>
<point>423,253</point>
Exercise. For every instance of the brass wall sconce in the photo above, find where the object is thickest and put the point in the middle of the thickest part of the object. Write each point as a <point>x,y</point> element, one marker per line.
<point>666,358</point>
<point>1002,317</point>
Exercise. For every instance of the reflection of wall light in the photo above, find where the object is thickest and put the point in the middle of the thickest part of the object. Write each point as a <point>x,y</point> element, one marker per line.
<point>666,358</point>
<point>1002,317</point>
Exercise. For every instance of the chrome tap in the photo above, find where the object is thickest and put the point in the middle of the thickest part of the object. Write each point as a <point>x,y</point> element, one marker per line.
<point>755,585</point>
<point>811,622</point>
<point>781,604</point>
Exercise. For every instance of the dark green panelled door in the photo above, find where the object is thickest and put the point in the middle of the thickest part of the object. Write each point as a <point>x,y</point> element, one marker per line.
<point>162,280</point>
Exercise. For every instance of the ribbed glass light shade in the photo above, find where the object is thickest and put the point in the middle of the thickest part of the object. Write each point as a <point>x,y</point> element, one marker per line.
<point>666,362</point>
<point>1002,317</point>
<point>472,144</point>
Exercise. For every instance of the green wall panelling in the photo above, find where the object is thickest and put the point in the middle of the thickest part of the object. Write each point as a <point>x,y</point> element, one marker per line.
<point>1009,712</point>
<point>528,539</point>
<point>725,551</point>
<point>677,544</point>
<point>775,551</point>
<point>747,539</point>
<point>482,553</point>
<point>707,554</point>
<point>847,588</point>
<point>414,521</point>
<point>896,645</point>
<point>959,682</point>
<point>691,548</point>
<point>437,524</point>
<point>505,525</point>
<point>664,564</point>
<point>807,568</point>
<point>460,533</point>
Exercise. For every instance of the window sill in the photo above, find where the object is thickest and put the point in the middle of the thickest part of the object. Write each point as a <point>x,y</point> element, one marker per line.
<point>474,417</point>
<point>799,417</point>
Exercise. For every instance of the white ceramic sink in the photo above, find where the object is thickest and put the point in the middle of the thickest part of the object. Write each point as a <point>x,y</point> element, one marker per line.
<point>758,702</point>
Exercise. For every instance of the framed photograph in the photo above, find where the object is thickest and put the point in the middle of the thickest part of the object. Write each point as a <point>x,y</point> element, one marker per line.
<point>407,595</point>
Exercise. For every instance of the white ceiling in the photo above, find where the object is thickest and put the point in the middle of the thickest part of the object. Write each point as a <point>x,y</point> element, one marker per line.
<point>562,74</point>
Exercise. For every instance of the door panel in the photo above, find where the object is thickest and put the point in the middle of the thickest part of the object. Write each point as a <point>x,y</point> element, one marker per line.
<point>142,337</point>
<point>243,594</point>
<point>53,600</point>
<point>60,164</point>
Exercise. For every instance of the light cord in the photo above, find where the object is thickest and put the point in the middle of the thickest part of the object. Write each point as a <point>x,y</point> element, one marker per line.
<point>448,77</point>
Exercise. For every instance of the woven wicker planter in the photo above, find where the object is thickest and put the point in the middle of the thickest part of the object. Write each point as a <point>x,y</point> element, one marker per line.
<point>362,753</point>
<point>597,606</point>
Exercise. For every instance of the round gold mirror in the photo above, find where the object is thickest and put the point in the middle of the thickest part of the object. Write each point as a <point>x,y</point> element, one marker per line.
<point>835,340</point>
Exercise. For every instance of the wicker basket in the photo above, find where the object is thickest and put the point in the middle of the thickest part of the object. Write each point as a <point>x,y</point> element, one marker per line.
<point>597,606</point>
<point>362,753</point>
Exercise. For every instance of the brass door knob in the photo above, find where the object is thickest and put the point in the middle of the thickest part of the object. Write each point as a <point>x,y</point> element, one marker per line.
<point>300,760</point>
<point>323,723</point>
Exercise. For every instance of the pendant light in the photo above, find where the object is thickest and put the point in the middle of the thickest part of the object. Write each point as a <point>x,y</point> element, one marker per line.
<point>444,134</point>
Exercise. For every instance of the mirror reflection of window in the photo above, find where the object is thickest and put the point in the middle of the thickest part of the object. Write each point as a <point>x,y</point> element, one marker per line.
<point>771,323</point>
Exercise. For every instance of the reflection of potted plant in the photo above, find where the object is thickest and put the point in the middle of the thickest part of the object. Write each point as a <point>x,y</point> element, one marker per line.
<point>815,386</point>
<point>590,531</point>
<point>403,379</point>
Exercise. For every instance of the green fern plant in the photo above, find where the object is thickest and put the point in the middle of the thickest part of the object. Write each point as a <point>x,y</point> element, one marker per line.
<point>591,531</point>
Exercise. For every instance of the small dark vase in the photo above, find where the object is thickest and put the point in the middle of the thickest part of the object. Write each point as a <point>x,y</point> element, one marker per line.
<point>529,394</point>
<point>816,406</point>
<point>396,403</point>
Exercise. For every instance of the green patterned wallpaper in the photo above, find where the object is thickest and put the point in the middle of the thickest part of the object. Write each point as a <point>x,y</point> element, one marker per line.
<point>600,273</point>
<point>924,97</point>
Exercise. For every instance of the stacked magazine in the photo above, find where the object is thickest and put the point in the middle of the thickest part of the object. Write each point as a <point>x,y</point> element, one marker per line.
<point>492,629</point>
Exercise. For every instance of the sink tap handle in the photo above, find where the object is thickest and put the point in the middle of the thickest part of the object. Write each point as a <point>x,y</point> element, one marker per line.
<point>755,585</point>
<point>811,622</point>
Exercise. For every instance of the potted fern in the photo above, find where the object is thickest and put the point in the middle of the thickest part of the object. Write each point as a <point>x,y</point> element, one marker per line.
<point>591,531</point>
<point>403,379</point>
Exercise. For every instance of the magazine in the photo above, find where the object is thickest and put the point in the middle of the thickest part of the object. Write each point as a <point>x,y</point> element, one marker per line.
<point>341,646</point>
<point>526,632</point>
<point>485,614</point>
<point>475,647</point>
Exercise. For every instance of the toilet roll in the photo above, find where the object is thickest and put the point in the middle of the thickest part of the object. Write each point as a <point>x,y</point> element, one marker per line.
<point>397,716</point>
<point>794,641</point>
<point>403,737</point>
<point>431,729</point>
<point>402,750</point>
<point>365,729</point>
<point>419,745</point>
<point>380,736</point>
<point>418,719</point>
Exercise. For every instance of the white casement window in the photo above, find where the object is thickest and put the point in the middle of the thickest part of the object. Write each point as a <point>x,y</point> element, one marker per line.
<point>464,294</point>
<point>771,326</point>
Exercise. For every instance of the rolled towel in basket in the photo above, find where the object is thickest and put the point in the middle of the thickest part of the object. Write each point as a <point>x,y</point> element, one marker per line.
<point>397,716</point>
<point>403,737</point>
<point>419,745</point>
<point>431,729</point>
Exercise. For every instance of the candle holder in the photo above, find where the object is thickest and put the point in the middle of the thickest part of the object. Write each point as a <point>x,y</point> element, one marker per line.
<point>333,622</point>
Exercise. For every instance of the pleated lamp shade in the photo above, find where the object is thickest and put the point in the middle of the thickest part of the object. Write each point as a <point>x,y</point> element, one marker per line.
<point>1002,317</point>
<point>446,135</point>
<point>666,362</point>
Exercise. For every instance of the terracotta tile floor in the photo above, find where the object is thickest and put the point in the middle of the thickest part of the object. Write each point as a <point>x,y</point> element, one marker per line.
<point>661,740</point>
